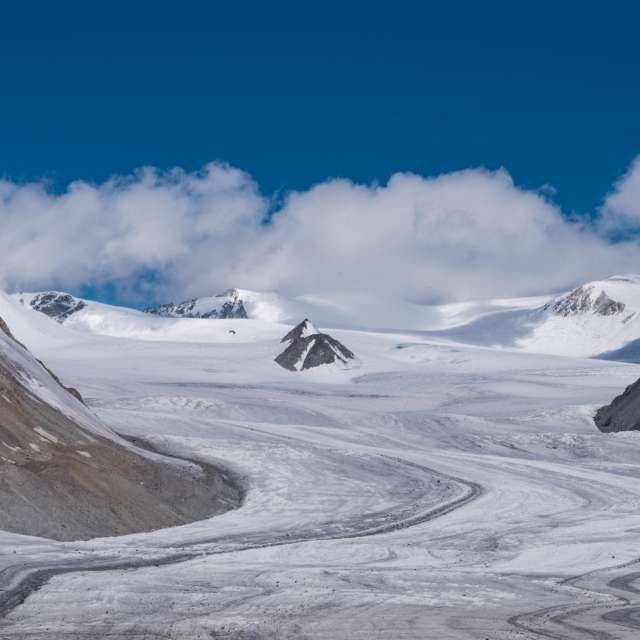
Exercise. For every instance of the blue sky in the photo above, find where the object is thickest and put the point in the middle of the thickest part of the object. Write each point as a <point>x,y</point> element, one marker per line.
<point>299,94</point>
<point>296,92</point>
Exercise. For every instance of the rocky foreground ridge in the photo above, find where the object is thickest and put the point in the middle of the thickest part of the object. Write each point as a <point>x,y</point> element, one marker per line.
<point>64,475</point>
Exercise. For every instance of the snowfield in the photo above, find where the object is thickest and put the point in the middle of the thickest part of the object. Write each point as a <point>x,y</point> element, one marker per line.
<point>433,489</point>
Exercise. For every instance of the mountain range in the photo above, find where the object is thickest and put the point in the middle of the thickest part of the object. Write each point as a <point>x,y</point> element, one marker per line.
<point>596,319</point>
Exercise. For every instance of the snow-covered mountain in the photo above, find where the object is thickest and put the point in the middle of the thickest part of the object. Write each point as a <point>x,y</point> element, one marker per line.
<point>223,306</point>
<point>233,304</point>
<point>597,319</point>
<point>588,299</point>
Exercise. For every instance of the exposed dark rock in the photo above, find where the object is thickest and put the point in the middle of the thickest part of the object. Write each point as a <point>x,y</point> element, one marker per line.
<point>581,300</point>
<point>307,350</point>
<point>623,414</point>
<point>223,306</point>
<point>56,305</point>
<point>302,330</point>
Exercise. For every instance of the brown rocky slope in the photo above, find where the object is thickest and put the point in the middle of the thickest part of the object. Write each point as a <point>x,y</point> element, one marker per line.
<point>65,476</point>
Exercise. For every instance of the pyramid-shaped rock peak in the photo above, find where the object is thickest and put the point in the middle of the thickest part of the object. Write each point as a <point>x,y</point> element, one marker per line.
<point>302,330</point>
<point>308,348</point>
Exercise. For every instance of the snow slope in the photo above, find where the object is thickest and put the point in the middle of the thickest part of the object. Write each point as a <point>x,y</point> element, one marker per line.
<point>31,327</point>
<point>600,318</point>
<point>437,491</point>
<point>331,310</point>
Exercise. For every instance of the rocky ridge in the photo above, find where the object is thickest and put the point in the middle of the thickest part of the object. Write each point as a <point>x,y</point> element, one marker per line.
<point>64,475</point>
<point>222,306</point>
<point>582,300</point>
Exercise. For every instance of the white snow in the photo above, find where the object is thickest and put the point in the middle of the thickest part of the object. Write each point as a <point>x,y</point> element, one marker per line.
<point>308,329</point>
<point>344,468</point>
<point>45,434</point>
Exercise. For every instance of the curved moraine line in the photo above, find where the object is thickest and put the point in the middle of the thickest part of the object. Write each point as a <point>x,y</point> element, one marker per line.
<point>36,577</point>
<point>624,613</point>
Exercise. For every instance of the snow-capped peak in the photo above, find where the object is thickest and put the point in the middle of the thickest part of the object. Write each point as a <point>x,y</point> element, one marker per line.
<point>230,293</point>
<point>618,295</point>
<point>225,305</point>
<point>303,330</point>
<point>308,329</point>
<point>588,298</point>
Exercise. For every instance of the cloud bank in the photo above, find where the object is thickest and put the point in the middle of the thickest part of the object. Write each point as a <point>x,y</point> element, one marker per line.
<point>169,235</point>
<point>621,210</point>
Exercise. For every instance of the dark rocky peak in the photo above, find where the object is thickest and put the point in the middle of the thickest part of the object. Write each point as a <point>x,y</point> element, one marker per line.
<point>308,349</point>
<point>583,300</point>
<point>302,330</point>
<point>57,305</point>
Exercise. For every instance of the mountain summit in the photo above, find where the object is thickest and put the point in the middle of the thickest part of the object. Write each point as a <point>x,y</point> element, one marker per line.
<point>302,330</point>
<point>225,305</point>
<point>588,298</point>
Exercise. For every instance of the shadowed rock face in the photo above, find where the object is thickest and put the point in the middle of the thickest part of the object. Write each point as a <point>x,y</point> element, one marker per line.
<point>308,349</point>
<point>62,480</point>
<point>623,414</point>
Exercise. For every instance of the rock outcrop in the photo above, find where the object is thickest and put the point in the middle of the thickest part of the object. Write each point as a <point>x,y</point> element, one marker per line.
<point>57,305</point>
<point>583,300</point>
<point>623,413</point>
<point>307,348</point>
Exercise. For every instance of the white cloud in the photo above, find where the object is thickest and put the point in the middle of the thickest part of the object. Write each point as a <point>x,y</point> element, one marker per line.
<point>150,222</point>
<point>621,208</point>
<point>467,234</point>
